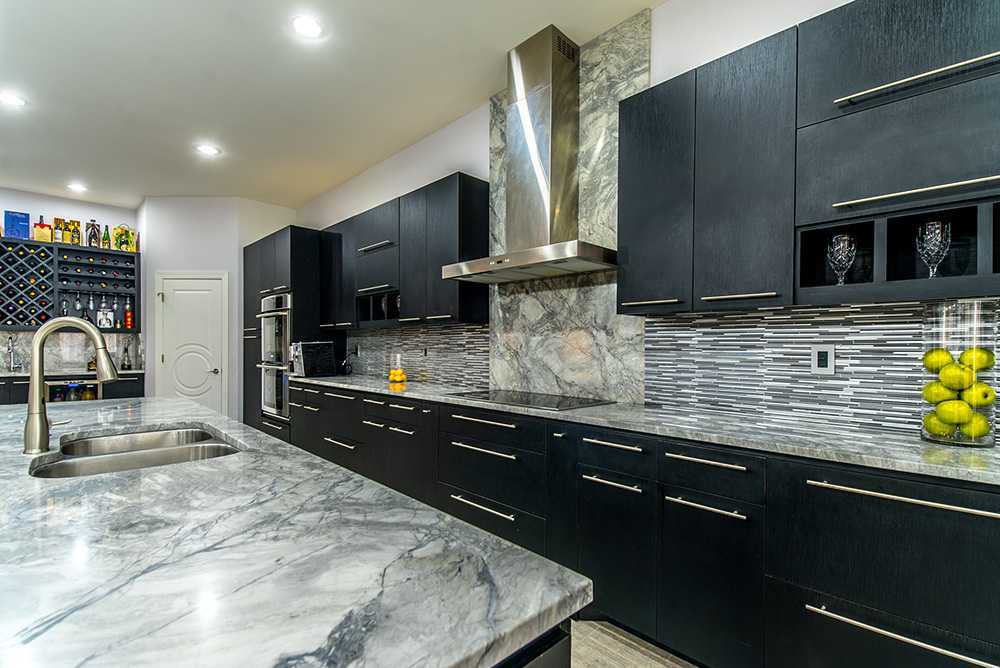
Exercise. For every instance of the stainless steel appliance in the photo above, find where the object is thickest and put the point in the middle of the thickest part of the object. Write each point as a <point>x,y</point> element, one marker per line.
<point>275,349</point>
<point>73,390</point>
<point>545,402</point>
<point>543,135</point>
<point>313,358</point>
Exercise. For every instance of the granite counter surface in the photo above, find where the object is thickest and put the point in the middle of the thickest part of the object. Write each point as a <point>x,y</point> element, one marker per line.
<point>268,557</point>
<point>775,432</point>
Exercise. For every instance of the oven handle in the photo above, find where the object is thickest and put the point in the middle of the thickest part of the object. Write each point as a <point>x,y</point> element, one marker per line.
<point>273,367</point>
<point>283,313</point>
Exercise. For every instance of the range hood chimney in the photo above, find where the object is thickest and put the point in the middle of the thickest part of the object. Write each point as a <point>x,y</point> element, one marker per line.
<point>543,137</point>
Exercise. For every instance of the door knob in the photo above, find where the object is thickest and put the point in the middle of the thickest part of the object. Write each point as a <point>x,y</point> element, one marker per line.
<point>215,371</point>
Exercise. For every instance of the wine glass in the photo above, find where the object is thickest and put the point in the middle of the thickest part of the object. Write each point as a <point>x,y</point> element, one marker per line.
<point>933,242</point>
<point>840,254</point>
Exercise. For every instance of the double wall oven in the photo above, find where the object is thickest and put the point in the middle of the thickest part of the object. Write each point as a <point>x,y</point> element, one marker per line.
<point>275,343</point>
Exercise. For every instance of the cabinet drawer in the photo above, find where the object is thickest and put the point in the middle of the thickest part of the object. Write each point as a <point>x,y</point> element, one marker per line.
<point>305,394</point>
<point>917,550</point>
<point>518,527</point>
<point>494,427</point>
<point>874,45</point>
<point>806,629</point>
<point>620,451</point>
<point>943,137</point>
<point>340,450</point>
<point>378,271</point>
<point>342,412</point>
<point>397,410</point>
<point>277,428</point>
<point>511,476</point>
<point>714,470</point>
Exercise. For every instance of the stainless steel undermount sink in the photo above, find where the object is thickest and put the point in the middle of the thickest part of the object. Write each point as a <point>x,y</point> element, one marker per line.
<point>125,452</point>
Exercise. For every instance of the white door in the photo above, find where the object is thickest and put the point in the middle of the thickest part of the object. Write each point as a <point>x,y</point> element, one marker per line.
<point>192,330</point>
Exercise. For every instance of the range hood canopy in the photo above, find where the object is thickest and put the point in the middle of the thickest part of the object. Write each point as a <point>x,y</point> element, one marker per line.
<point>543,137</point>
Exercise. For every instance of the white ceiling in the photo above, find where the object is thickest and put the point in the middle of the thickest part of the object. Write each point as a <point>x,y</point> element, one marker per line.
<point>119,90</point>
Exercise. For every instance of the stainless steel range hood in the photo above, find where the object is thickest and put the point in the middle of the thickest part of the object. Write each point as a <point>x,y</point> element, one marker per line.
<point>543,137</point>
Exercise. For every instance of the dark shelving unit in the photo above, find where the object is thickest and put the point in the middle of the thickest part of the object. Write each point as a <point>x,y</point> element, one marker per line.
<point>815,271</point>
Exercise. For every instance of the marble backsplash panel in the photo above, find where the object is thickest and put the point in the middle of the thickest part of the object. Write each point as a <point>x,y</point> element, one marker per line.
<point>71,350</point>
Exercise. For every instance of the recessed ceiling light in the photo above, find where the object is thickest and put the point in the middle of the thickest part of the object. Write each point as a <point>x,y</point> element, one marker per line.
<point>208,150</point>
<point>307,26</point>
<point>11,99</point>
<point>77,187</point>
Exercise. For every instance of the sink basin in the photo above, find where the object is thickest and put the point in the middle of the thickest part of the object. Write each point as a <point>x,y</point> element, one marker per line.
<point>143,440</point>
<point>127,460</point>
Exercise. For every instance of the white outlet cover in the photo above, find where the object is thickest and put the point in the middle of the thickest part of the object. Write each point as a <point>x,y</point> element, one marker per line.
<point>823,359</point>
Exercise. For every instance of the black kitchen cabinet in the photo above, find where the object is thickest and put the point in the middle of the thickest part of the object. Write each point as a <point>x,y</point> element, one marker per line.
<point>745,177</point>
<point>870,44</point>
<point>345,312</point>
<point>618,537</point>
<point>410,458</point>
<point>331,275</point>
<point>413,275</point>
<point>656,159</point>
<point>277,428</point>
<point>377,228</point>
<point>18,392</point>
<point>942,137</point>
<point>561,541</point>
<point>251,381</point>
<point>378,271</point>
<point>252,262</point>
<point>128,386</point>
<point>711,575</point>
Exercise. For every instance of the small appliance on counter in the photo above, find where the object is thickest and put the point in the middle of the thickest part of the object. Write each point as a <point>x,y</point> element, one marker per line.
<point>312,359</point>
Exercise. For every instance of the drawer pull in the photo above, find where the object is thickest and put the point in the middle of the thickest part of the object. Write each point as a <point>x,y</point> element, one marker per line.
<point>439,317</point>
<point>280,287</point>
<point>904,499</point>
<point>917,191</point>
<point>292,388</point>
<point>264,292</point>
<point>653,302</point>
<point>373,424</point>
<point>249,337</point>
<point>402,431</point>
<point>306,389</point>
<point>374,287</point>
<point>459,444</point>
<point>627,488</point>
<point>272,367</point>
<point>328,324</point>
<point>489,422</point>
<point>609,444</point>
<point>272,426</point>
<point>559,434</point>
<point>374,401</point>
<point>377,244</point>
<point>338,396</point>
<point>402,408</point>
<point>458,497</point>
<point>342,324</point>
<point>310,408</point>
<point>409,319</point>
<point>916,77</point>
<point>681,501</point>
<point>707,462</point>
<point>745,295</point>
<point>343,445</point>
<point>895,636</point>
<point>292,403</point>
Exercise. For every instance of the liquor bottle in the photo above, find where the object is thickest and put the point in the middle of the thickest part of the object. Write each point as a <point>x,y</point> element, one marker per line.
<point>93,234</point>
<point>75,235</point>
<point>106,239</point>
<point>57,230</point>
<point>129,316</point>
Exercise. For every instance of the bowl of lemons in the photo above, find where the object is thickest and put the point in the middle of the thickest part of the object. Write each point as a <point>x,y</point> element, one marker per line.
<point>961,399</point>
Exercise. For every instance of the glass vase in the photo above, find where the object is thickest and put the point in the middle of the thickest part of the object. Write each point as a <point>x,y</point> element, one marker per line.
<point>959,372</point>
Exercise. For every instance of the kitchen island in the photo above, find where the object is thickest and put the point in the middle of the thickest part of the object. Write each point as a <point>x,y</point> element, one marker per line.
<point>269,557</point>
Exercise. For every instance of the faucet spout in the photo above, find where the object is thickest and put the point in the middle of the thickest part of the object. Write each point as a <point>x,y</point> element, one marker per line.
<point>36,427</point>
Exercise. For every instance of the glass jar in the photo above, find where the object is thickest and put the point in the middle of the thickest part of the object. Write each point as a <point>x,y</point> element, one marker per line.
<point>960,372</point>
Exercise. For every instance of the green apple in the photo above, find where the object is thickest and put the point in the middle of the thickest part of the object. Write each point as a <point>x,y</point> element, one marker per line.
<point>978,358</point>
<point>936,427</point>
<point>977,427</point>
<point>957,376</point>
<point>936,359</point>
<point>954,412</point>
<point>979,395</point>
<point>936,392</point>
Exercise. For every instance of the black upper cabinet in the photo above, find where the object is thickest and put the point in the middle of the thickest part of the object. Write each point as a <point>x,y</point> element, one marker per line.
<point>345,314</point>
<point>251,286</point>
<point>745,177</point>
<point>282,270</point>
<point>942,137</point>
<point>377,228</point>
<point>412,249</point>
<point>868,44</point>
<point>656,198</point>
<point>331,273</point>
<point>376,234</point>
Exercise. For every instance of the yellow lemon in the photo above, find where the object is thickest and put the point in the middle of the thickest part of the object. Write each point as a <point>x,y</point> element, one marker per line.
<point>957,376</point>
<point>954,412</point>
<point>936,359</point>
<point>935,427</point>
<point>979,395</point>
<point>978,358</point>
<point>936,392</point>
<point>977,427</point>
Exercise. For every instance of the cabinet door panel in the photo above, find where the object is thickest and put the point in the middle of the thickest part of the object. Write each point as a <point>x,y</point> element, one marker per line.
<point>413,240</point>
<point>745,177</point>
<point>378,271</point>
<point>656,198</point>
<point>251,286</point>
<point>864,45</point>
<point>330,270</point>
<point>618,539</point>
<point>251,382</point>
<point>442,246</point>
<point>126,387</point>
<point>281,278</point>
<point>378,227</point>
<point>346,306</point>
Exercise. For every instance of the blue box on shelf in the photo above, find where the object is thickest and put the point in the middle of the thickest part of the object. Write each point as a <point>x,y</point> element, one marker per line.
<point>16,224</point>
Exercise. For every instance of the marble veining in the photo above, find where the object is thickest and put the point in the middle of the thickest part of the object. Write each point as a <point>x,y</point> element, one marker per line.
<point>68,349</point>
<point>269,557</point>
<point>773,432</point>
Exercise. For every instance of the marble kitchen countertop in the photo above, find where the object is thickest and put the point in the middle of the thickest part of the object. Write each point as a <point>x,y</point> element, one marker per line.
<point>267,557</point>
<point>65,371</point>
<point>776,432</point>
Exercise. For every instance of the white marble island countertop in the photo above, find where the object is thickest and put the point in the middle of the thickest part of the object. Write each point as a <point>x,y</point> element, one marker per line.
<point>268,557</point>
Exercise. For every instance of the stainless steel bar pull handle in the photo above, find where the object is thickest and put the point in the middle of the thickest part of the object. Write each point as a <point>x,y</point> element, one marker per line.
<point>272,426</point>
<point>610,483</point>
<point>718,511</point>
<point>343,445</point>
<point>342,324</point>
<point>903,499</point>
<point>821,610</point>
<point>292,388</point>
<point>458,497</point>
<point>706,462</point>
<point>409,319</point>
<point>609,444</point>
<point>306,389</point>
<point>273,367</point>
<point>917,191</point>
<point>374,401</point>
<point>374,287</point>
<point>504,455</point>
<point>745,295</point>
<point>292,403</point>
<point>401,407</point>
<point>373,424</point>
<point>917,77</point>
<point>402,431</point>
<point>338,396</point>
<point>377,244</point>
<point>438,317</point>
<point>249,337</point>
<point>506,425</point>
<point>310,408</point>
<point>653,302</point>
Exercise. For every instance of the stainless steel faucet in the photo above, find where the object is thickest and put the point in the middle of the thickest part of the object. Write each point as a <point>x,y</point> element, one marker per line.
<point>36,427</point>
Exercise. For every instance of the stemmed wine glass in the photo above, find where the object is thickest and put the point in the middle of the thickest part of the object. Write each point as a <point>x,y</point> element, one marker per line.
<point>840,255</point>
<point>933,242</point>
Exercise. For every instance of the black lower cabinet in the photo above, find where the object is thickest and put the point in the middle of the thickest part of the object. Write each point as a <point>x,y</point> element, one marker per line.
<point>128,386</point>
<point>277,428</point>
<point>806,629</point>
<point>711,573</point>
<point>251,387</point>
<point>617,519</point>
<point>409,457</point>
<point>517,526</point>
<point>561,542</point>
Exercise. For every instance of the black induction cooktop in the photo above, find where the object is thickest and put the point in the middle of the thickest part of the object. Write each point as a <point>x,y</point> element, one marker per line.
<point>545,402</point>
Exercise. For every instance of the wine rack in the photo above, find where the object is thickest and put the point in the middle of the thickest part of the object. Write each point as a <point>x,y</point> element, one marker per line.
<point>27,292</point>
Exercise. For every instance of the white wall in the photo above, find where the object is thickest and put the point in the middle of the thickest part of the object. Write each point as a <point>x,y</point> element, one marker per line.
<point>461,146</point>
<point>63,207</point>
<point>689,33</point>
<point>257,219</point>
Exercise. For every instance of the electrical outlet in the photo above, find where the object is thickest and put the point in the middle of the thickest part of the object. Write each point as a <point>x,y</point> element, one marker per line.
<point>824,361</point>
